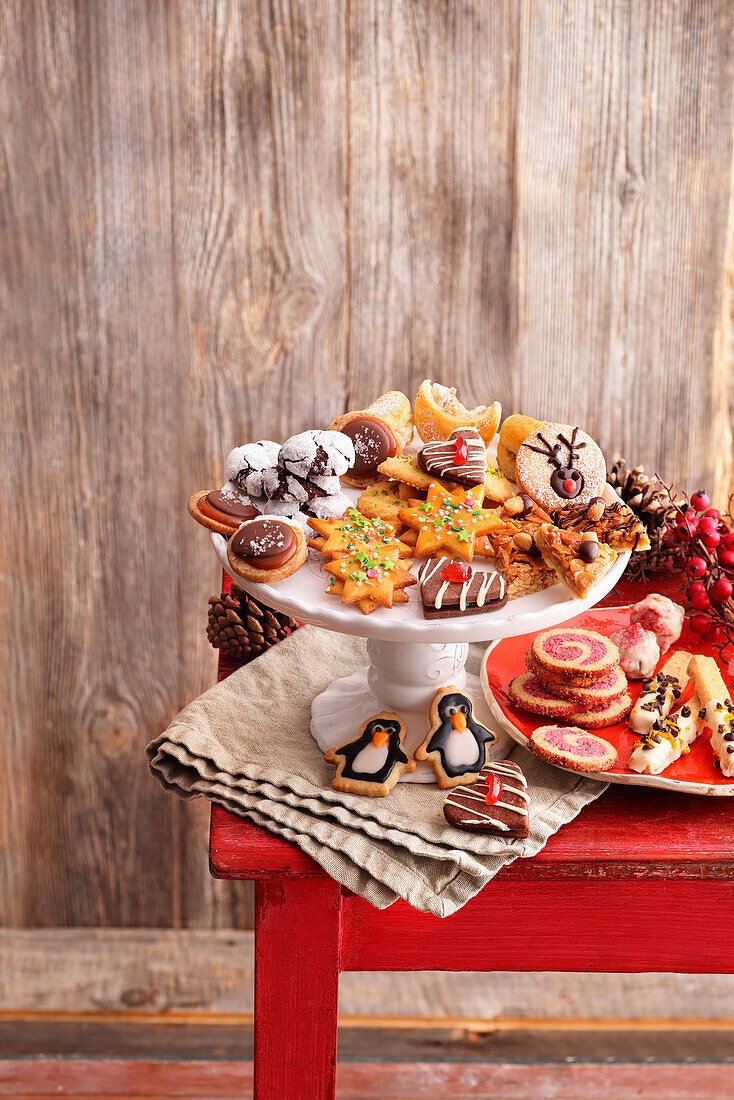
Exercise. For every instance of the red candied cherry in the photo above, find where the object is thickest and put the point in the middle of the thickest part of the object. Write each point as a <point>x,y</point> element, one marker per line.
<point>727,540</point>
<point>701,501</point>
<point>461,451</point>
<point>494,789</point>
<point>708,523</point>
<point>715,635</point>
<point>700,625</point>
<point>456,572</point>
<point>696,567</point>
<point>710,539</point>
<point>721,590</point>
<point>698,596</point>
<point>726,557</point>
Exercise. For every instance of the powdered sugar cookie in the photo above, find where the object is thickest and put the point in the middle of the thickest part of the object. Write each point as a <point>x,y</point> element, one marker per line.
<point>570,650</point>
<point>528,692</point>
<point>557,463</point>
<point>573,748</point>
<point>326,507</point>
<point>245,465</point>
<point>315,454</point>
<point>267,549</point>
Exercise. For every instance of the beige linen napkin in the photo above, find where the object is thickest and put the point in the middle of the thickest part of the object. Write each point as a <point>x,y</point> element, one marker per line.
<point>245,744</point>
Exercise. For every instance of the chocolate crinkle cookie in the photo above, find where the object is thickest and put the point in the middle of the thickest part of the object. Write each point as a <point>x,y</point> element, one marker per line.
<point>247,465</point>
<point>317,454</point>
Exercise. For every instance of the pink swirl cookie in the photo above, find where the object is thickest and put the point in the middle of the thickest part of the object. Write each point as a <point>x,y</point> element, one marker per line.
<point>612,685</point>
<point>570,651</point>
<point>574,748</point>
<point>599,717</point>
<point>557,463</point>
<point>528,692</point>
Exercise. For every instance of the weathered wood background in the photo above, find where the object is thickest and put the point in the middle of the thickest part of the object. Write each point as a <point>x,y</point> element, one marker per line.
<point>222,221</point>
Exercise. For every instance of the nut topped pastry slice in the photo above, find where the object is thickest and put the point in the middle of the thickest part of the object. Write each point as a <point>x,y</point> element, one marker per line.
<point>615,524</point>
<point>579,559</point>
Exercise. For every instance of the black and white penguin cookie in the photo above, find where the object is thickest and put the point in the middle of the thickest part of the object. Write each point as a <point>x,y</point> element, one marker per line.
<point>246,465</point>
<point>456,744</point>
<point>314,454</point>
<point>374,760</point>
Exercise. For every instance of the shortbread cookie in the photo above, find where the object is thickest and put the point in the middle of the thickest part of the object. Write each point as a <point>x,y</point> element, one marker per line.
<point>374,760</point>
<point>462,457</point>
<point>450,520</point>
<point>456,744</point>
<point>667,740</point>
<point>614,524</point>
<point>660,692</point>
<point>597,718</point>
<point>373,574</point>
<point>570,651</point>
<point>515,428</point>
<point>497,802</point>
<point>579,559</point>
<point>438,411</point>
<point>317,454</point>
<point>531,694</point>
<point>558,463</point>
<point>246,465</point>
<point>405,469</point>
<point>496,485</point>
<point>221,510</point>
<point>660,615</point>
<point>639,651</point>
<point>267,549</point>
<point>450,588</point>
<point>716,709</point>
<point>570,747</point>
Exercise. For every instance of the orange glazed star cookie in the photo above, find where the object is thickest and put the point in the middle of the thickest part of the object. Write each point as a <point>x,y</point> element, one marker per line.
<point>450,521</point>
<point>370,575</point>
<point>354,532</point>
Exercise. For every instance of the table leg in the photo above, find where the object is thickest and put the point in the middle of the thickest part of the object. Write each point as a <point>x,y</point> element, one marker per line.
<point>297,944</point>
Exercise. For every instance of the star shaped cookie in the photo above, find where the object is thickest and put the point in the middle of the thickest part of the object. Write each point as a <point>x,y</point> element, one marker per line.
<point>370,575</point>
<point>352,533</point>
<point>450,521</point>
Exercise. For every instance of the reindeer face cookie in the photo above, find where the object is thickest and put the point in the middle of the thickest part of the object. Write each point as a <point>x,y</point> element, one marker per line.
<point>557,464</point>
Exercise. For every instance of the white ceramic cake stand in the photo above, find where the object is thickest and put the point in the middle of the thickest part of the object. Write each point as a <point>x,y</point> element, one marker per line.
<point>410,657</point>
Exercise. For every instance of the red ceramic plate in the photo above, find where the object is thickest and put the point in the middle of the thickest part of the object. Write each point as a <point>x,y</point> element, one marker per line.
<point>693,774</point>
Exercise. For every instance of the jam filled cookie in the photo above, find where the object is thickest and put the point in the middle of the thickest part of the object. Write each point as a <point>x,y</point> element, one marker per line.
<point>571,652</point>
<point>221,510</point>
<point>374,760</point>
<point>496,803</point>
<point>456,744</point>
<point>570,747</point>
<point>246,465</point>
<point>558,463</point>
<point>461,458</point>
<point>438,411</point>
<point>451,588</point>
<point>267,549</point>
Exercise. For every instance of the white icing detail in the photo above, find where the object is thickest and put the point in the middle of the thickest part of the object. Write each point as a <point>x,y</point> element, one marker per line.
<point>440,595</point>
<point>719,718</point>
<point>461,749</point>
<point>642,721</point>
<point>663,753</point>
<point>370,759</point>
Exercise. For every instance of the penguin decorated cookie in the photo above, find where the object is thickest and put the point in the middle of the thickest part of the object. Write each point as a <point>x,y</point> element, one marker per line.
<point>456,744</point>
<point>373,762</point>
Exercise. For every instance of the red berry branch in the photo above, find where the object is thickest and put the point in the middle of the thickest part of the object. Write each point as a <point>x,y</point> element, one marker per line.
<point>703,539</point>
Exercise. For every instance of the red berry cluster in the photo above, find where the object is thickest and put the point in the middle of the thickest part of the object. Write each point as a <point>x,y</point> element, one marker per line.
<point>704,539</point>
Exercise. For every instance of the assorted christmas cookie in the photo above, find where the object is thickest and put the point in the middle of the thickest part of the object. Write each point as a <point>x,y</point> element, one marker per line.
<point>558,463</point>
<point>530,693</point>
<point>520,563</point>
<point>370,575</point>
<point>597,718</point>
<point>380,501</point>
<point>246,465</point>
<point>716,710</point>
<point>450,521</point>
<point>570,747</point>
<point>221,510</point>
<point>612,685</point>
<point>451,588</point>
<point>659,693</point>
<point>462,458</point>
<point>378,432</point>
<point>660,615</point>
<point>372,763</point>
<point>569,651</point>
<point>615,524</point>
<point>456,744</point>
<point>514,430</point>
<point>497,802</point>
<point>438,411</point>
<point>267,549</point>
<point>639,652</point>
<point>579,559</point>
<point>667,740</point>
<point>314,454</point>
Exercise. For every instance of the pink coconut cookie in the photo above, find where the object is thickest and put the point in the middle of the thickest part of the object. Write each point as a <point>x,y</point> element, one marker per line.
<point>570,747</point>
<point>569,651</point>
<point>527,691</point>
<point>638,651</point>
<point>660,615</point>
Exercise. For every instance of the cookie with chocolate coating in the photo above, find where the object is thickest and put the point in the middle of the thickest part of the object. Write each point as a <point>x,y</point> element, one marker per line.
<point>267,549</point>
<point>221,510</point>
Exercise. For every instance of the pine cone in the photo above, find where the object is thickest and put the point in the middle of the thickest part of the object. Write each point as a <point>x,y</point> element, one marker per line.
<point>652,504</point>
<point>243,628</point>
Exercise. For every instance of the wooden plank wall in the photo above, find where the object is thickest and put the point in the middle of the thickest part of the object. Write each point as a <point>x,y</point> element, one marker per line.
<point>230,220</point>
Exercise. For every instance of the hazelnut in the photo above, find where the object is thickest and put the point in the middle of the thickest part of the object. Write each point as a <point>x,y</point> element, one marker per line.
<point>596,509</point>
<point>514,506</point>
<point>523,540</point>
<point>590,536</point>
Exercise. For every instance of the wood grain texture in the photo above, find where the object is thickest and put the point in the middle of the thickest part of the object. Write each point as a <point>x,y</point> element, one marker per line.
<point>224,220</point>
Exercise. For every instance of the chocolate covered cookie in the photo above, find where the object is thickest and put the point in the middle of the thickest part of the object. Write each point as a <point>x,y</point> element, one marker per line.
<point>497,803</point>
<point>451,588</point>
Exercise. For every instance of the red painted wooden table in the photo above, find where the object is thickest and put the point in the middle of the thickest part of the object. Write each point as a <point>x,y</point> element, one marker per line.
<point>641,880</point>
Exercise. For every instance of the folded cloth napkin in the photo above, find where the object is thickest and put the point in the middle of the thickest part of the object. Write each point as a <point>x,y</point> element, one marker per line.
<point>245,744</point>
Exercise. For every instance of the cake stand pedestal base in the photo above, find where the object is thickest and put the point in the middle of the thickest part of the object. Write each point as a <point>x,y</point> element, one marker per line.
<point>401,677</point>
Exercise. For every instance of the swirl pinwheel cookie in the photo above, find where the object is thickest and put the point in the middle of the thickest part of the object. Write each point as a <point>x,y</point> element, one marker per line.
<point>558,463</point>
<point>567,651</point>
<point>570,747</point>
<point>531,694</point>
